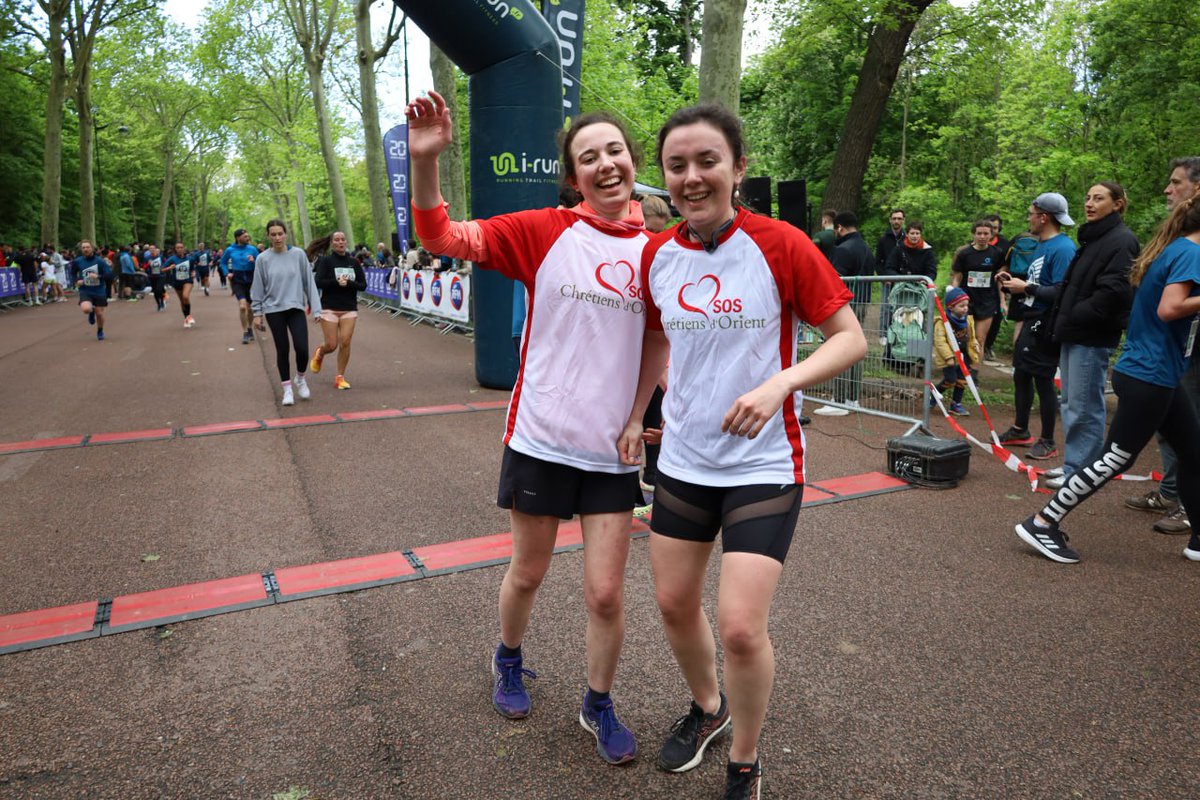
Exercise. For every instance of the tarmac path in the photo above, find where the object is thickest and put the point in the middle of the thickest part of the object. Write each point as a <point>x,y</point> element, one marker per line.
<point>922,650</point>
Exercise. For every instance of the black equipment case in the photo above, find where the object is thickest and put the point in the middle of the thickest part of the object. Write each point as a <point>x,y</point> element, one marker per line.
<point>928,461</point>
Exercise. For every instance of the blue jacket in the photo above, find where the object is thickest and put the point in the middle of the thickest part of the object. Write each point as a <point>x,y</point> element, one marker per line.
<point>236,255</point>
<point>83,269</point>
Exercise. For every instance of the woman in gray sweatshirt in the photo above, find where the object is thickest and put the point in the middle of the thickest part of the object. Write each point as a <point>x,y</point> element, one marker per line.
<point>282,291</point>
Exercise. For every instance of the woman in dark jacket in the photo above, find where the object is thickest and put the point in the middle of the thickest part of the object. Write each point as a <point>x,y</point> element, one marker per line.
<point>1091,311</point>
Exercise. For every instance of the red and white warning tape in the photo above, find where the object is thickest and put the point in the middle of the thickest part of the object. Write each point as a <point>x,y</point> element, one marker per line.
<point>1005,455</point>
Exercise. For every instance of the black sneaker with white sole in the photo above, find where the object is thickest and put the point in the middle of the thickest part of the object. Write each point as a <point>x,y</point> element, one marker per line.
<point>1047,540</point>
<point>743,781</point>
<point>690,735</point>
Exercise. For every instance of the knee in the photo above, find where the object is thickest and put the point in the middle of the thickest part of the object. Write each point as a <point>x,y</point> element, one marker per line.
<point>743,637</point>
<point>677,608</point>
<point>525,579</point>
<point>344,342</point>
<point>605,602</point>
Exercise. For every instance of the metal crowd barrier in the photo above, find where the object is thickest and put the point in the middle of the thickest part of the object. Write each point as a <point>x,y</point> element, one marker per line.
<point>897,315</point>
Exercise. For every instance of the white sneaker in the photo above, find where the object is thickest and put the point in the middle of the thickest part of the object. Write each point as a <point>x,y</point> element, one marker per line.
<point>288,400</point>
<point>1055,482</point>
<point>831,411</point>
<point>301,387</point>
<point>1054,472</point>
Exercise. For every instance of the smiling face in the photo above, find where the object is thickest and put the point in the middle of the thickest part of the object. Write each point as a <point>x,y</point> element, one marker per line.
<point>701,174</point>
<point>913,236</point>
<point>603,168</point>
<point>1099,203</point>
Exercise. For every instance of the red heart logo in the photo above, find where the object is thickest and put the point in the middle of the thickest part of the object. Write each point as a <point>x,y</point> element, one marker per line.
<point>698,292</point>
<point>615,272</point>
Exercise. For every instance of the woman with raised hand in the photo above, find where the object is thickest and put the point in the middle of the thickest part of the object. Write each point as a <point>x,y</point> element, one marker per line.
<point>571,398</point>
<point>340,278</point>
<point>726,290</point>
<point>1163,323</point>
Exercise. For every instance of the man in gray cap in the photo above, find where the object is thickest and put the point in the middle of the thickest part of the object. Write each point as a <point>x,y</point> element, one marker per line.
<point>1035,356</point>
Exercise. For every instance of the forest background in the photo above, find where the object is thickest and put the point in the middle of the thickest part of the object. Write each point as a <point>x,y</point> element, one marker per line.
<point>264,109</point>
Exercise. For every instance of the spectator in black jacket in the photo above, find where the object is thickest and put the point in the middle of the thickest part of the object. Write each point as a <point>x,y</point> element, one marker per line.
<point>852,259</point>
<point>1091,312</point>
<point>890,240</point>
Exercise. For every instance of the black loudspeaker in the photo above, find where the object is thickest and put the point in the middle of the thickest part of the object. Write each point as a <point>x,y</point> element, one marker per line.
<point>395,243</point>
<point>756,193</point>
<point>793,203</point>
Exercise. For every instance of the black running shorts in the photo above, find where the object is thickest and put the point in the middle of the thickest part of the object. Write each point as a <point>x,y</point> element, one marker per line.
<point>543,488</point>
<point>752,519</point>
<point>94,299</point>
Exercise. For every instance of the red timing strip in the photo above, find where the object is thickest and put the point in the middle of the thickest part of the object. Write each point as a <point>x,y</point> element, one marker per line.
<point>456,408</point>
<point>48,626</point>
<point>42,444</point>
<point>131,436</point>
<point>222,427</point>
<point>33,629</point>
<point>338,576</point>
<point>148,609</point>
<point>299,422</point>
<point>364,416</point>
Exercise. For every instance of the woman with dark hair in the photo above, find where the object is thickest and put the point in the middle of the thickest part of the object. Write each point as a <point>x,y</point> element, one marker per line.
<point>1160,341</point>
<point>725,291</point>
<point>282,290</point>
<point>340,278</point>
<point>1088,318</point>
<point>571,398</point>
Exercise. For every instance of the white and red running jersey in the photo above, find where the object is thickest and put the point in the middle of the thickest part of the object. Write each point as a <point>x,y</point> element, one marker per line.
<point>582,343</point>
<point>731,317</point>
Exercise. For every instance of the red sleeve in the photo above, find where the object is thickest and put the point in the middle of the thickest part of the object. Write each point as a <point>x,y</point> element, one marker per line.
<point>808,284</point>
<point>657,240</point>
<point>517,243</point>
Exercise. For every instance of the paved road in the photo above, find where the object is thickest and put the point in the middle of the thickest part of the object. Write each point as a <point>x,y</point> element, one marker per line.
<point>922,650</point>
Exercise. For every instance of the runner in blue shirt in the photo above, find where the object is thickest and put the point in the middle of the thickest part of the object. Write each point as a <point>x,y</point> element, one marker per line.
<point>1162,335</point>
<point>201,260</point>
<point>91,275</point>
<point>239,259</point>
<point>179,270</point>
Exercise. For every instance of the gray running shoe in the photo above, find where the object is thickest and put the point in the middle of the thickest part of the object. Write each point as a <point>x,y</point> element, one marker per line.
<point>1175,523</point>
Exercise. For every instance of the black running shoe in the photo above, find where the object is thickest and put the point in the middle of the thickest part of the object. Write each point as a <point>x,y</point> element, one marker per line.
<point>743,781</point>
<point>1049,541</point>
<point>691,733</point>
<point>1017,437</point>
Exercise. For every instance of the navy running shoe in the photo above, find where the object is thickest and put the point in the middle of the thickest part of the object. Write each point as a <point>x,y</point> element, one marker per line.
<point>614,742</point>
<point>690,735</point>
<point>510,697</point>
<point>1047,540</point>
<point>743,781</point>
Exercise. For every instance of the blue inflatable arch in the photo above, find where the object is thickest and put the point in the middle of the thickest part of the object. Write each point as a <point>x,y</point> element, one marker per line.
<point>512,59</point>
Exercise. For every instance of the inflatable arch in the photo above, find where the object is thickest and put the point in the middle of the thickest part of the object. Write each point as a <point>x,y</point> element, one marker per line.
<point>512,59</point>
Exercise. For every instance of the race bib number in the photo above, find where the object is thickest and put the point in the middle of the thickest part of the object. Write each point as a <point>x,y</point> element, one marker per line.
<point>343,273</point>
<point>183,271</point>
<point>91,277</point>
<point>979,280</point>
<point>156,265</point>
<point>204,259</point>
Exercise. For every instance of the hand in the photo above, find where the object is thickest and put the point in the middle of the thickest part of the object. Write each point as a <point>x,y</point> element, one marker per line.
<point>750,412</point>
<point>258,324</point>
<point>342,281</point>
<point>652,436</point>
<point>629,446</point>
<point>430,128</point>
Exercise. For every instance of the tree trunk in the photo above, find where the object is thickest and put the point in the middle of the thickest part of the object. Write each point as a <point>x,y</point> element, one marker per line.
<point>301,204</point>
<point>885,52</point>
<point>721,52</point>
<point>451,169</point>
<point>164,200</point>
<point>56,98</point>
<point>175,208</point>
<point>377,182</point>
<point>87,188</point>
<point>328,153</point>
<point>202,230</point>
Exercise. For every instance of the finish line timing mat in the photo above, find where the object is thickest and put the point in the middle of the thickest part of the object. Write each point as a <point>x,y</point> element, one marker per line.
<point>34,629</point>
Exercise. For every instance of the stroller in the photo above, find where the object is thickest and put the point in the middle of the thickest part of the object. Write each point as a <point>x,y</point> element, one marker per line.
<point>907,346</point>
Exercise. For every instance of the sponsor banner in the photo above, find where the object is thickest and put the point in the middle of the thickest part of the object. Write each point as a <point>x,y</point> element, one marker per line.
<point>10,282</point>
<point>566,20</point>
<point>377,284</point>
<point>395,150</point>
<point>446,295</point>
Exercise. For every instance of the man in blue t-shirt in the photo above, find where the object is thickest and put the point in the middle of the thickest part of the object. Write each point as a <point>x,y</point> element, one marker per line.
<point>239,259</point>
<point>1035,356</point>
<point>91,276</point>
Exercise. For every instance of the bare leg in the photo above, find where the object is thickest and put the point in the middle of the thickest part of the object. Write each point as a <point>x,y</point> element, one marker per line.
<point>748,582</point>
<point>533,545</point>
<point>605,551</point>
<point>679,567</point>
<point>345,332</point>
